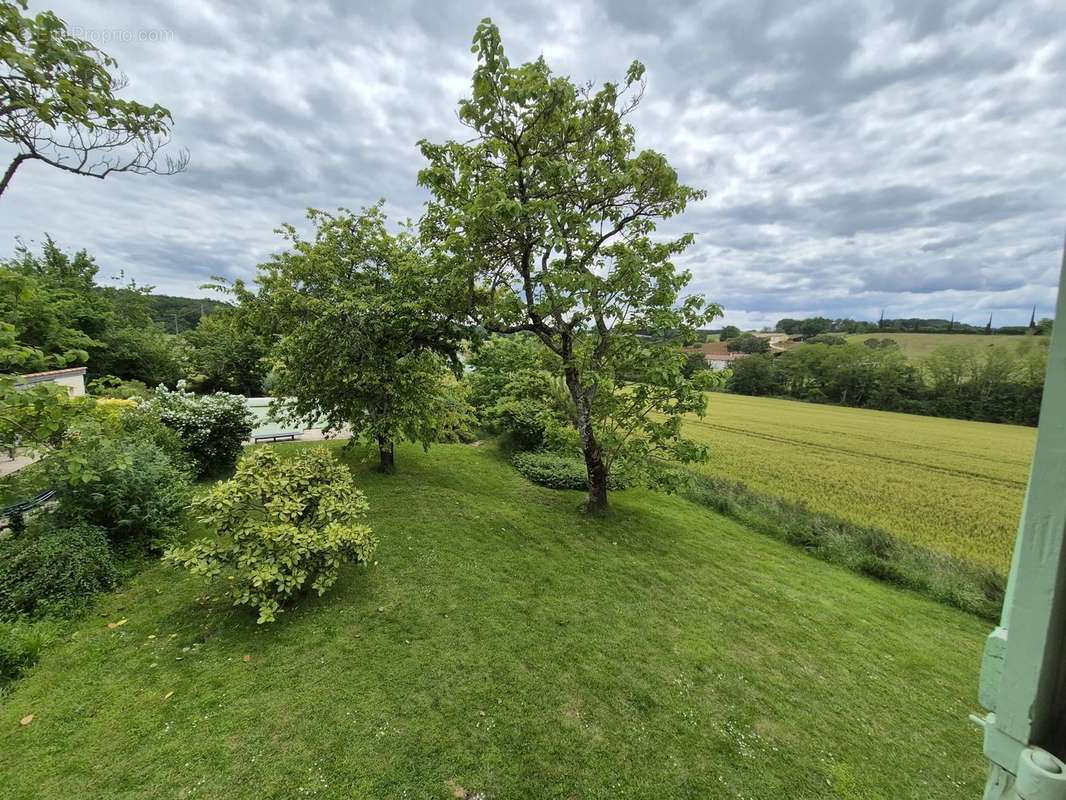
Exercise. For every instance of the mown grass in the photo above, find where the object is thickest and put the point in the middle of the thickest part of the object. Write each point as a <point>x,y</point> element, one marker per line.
<point>952,486</point>
<point>508,645</point>
<point>918,345</point>
<point>861,548</point>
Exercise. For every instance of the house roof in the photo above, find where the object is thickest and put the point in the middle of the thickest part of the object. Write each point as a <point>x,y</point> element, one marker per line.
<point>713,348</point>
<point>37,377</point>
<point>727,356</point>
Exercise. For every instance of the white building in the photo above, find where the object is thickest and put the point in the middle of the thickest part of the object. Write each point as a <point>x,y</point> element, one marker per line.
<point>73,379</point>
<point>718,361</point>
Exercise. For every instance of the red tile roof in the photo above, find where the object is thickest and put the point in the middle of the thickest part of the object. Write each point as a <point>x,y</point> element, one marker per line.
<point>714,348</point>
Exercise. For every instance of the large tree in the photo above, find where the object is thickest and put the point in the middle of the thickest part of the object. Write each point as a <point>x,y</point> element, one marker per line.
<point>60,104</point>
<point>37,326</point>
<point>226,356</point>
<point>360,337</point>
<point>748,343</point>
<point>546,216</point>
<point>54,306</point>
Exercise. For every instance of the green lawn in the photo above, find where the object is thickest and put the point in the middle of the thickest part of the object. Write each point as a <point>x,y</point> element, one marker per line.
<point>505,644</point>
<point>919,345</point>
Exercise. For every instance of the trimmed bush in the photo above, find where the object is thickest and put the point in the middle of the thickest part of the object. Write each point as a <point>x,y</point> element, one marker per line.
<point>561,471</point>
<point>212,428</point>
<point>54,569</point>
<point>284,526</point>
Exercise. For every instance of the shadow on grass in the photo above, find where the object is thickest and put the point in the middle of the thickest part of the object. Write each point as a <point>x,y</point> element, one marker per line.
<point>214,617</point>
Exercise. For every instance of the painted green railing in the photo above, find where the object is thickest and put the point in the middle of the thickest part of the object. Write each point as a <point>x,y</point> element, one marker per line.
<point>1023,675</point>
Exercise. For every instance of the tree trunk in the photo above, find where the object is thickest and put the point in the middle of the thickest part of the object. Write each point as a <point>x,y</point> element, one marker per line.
<point>595,469</point>
<point>386,456</point>
<point>596,503</point>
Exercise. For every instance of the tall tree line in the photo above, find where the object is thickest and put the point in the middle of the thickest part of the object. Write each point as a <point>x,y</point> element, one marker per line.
<point>992,384</point>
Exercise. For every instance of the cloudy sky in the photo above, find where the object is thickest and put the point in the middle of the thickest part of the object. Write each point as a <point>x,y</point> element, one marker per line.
<point>858,155</point>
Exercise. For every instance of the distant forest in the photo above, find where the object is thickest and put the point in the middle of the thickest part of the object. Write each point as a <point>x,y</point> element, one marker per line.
<point>180,314</point>
<point>815,326</point>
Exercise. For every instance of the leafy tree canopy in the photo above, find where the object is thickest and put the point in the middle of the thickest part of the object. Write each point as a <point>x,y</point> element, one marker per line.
<point>58,315</point>
<point>361,338</point>
<point>749,343</point>
<point>227,356</point>
<point>60,104</point>
<point>544,218</point>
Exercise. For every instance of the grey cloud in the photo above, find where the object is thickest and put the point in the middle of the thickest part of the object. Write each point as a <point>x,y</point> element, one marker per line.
<point>944,244</point>
<point>857,154</point>
<point>929,278</point>
<point>842,213</point>
<point>987,208</point>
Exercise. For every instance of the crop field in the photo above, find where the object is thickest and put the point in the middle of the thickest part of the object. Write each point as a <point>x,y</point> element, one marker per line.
<point>949,485</point>
<point>919,345</point>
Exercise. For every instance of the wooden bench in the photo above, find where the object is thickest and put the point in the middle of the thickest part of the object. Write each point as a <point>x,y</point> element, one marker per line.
<point>277,436</point>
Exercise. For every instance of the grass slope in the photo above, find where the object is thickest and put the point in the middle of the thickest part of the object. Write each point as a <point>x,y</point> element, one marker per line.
<point>521,650</point>
<point>953,486</point>
<point>919,345</point>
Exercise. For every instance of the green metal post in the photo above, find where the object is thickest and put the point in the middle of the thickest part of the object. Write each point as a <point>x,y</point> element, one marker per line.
<point>1022,674</point>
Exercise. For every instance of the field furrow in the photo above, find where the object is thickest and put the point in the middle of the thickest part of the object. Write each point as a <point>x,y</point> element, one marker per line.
<point>950,485</point>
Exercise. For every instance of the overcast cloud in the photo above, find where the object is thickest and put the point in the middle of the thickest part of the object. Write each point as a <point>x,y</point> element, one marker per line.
<point>857,155</point>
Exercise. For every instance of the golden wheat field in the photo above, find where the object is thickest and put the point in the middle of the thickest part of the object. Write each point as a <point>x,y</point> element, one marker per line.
<point>949,485</point>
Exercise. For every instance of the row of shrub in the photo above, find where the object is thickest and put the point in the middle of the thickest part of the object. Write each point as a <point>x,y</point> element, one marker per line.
<point>123,474</point>
<point>562,470</point>
<point>990,384</point>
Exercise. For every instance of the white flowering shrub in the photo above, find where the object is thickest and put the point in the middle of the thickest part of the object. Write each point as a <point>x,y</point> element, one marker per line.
<point>212,427</point>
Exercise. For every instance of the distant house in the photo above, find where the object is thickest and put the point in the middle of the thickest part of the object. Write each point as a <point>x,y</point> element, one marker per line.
<point>717,354</point>
<point>73,379</point>
<point>723,360</point>
<point>779,342</point>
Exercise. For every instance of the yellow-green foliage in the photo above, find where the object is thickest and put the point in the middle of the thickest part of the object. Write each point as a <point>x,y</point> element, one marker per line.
<point>284,525</point>
<point>949,485</point>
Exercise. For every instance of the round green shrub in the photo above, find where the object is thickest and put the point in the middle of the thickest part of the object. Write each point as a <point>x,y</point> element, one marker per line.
<point>558,471</point>
<point>54,569</point>
<point>284,526</point>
